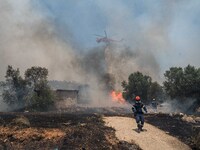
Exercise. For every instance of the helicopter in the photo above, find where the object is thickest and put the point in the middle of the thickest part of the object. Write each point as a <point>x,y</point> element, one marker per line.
<point>105,39</point>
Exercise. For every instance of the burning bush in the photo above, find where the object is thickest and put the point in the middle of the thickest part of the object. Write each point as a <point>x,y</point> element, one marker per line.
<point>117,97</point>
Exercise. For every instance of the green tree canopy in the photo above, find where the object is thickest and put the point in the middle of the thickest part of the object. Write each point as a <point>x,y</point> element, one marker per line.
<point>173,85</point>
<point>14,91</point>
<point>42,96</point>
<point>138,84</point>
<point>36,74</point>
<point>191,84</point>
<point>182,83</point>
<point>156,91</point>
<point>33,91</point>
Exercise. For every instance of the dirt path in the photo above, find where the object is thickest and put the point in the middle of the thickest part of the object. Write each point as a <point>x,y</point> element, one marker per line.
<point>151,139</point>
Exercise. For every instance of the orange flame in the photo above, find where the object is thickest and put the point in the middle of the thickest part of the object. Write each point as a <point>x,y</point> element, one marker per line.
<point>117,97</point>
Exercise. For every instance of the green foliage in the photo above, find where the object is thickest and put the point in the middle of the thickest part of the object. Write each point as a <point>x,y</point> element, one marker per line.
<point>156,91</point>
<point>33,91</point>
<point>14,91</point>
<point>191,85</point>
<point>182,83</point>
<point>36,74</point>
<point>138,84</point>
<point>174,83</point>
<point>42,96</point>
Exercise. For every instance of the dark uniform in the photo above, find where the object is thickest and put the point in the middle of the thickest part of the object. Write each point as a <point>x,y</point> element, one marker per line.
<point>154,105</point>
<point>139,109</point>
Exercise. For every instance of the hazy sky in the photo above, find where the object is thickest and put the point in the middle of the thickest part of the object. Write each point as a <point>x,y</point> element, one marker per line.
<point>54,33</point>
<point>170,29</point>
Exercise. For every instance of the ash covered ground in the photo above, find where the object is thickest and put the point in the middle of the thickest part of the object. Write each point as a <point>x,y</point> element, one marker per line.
<point>83,129</point>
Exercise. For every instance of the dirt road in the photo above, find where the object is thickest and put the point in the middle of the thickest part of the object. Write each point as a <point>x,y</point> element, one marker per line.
<point>150,139</point>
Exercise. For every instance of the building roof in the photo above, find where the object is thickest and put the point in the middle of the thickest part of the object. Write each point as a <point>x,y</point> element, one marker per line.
<point>63,85</point>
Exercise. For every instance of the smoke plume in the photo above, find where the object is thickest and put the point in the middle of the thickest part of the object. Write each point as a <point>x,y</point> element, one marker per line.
<point>175,106</point>
<point>59,36</point>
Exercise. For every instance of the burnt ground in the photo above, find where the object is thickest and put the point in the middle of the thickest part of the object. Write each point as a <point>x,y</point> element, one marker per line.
<point>173,125</point>
<point>49,131</point>
<point>78,131</point>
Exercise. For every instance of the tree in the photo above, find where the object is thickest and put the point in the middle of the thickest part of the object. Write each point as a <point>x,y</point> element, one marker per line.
<point>156,91</point>
<point>33,91</point>
<point>173,85</point>
<point>14,88</point>
<point>42,96</point>
<point>138,84</point>
<point>191,85</point>
<point>36,74</point>
<point>182,83</point>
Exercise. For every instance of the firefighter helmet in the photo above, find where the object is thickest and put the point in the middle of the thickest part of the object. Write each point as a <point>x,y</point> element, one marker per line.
<point>137,98</point>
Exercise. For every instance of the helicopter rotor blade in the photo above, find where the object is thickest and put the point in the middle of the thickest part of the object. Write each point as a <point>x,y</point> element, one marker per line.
<point>98,35</point>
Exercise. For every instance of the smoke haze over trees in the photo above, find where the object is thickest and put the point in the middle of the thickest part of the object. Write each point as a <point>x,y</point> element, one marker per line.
<point>14,89</point>
<point>182,85</point>
<point>58,35</point>
<point>33,92</point>
<point>41,30</point>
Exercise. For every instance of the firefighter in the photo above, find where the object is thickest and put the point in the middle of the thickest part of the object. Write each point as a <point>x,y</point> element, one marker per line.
<point>139,109</point>
<point>154,105</point>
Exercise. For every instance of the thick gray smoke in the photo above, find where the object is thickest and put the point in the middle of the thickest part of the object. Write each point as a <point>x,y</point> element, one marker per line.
<point>165,33</point>
<point>29,39</point>
<point>154,39</point>
<point>175,106</point>
<point>119,61</point>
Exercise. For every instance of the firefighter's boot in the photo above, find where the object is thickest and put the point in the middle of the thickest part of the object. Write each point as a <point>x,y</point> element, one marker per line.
<point>139,125</point>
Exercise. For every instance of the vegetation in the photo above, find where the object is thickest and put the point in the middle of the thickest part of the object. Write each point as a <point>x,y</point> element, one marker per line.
<point>14,88</point>
<point>181,84</point>
<point>33,92</point>
<point>156,91</point>
<point>42,97</point>
<point>142,85</point>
